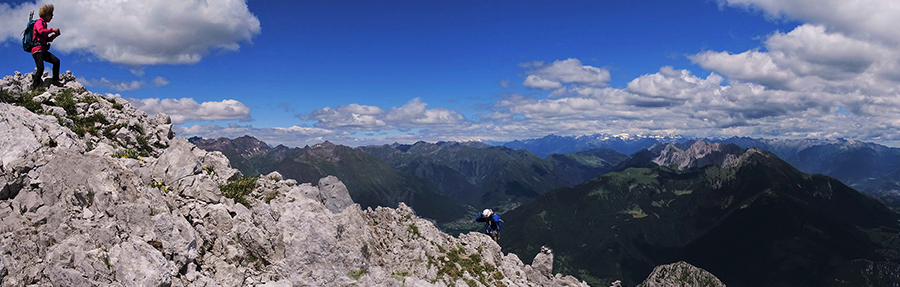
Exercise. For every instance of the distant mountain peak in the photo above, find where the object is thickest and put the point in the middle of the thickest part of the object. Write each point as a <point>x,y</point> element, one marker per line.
<point>699,154</point>
<point>325,144</point>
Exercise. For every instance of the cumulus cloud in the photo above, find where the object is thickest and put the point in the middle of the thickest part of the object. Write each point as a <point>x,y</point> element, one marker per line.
<point>810,58</point>
<point>667,102</point>
<point>353,115</point>
<point>672,102</point>
<point>122,86</point>
<point>185,109</point>
<point>536,82</point>
<point>415,113</point>
<point>360,117</point>
<point>554,75</point>
<point>141,32</point>
<point>160,81</point>
<point>873,20</point>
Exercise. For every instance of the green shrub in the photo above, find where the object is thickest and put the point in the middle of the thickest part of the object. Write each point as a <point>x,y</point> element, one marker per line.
<point>143,147</point>
<point>137,128</point>
<point>355,274</point>
<point>400,275</point>
<point>414,230</point>
<point>128,153</point>
<point>238,189</point>
<point>88,100</point>
<point>110,131</point>
<point>26,100</point>
<point>209,169</point>
<point>66,101</point>
<point>84,125</point>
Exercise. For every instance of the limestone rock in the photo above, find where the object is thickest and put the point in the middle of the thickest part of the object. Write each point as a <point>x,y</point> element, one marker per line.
<point>700,154</point>
<point>680,274</point>
<point>334,194</point>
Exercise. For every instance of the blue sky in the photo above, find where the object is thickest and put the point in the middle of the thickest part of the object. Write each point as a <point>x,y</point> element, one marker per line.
<point>374,72</point>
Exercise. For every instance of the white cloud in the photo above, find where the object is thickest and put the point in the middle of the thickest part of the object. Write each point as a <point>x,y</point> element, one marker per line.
<point>141,32</point>
<point>121,86</point>
<point>566,71</point>
<point>671,84</point>
<point>810,58</point>
<point>351,116</point>
<point>415,112</point>
<point>160,81</point>
<point>874,20</point>
<point>185,109</point>
<point>536,82</point>
<point>676,102</point>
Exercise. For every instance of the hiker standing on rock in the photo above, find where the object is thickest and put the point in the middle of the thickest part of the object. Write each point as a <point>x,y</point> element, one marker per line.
<point>41,53</point>
<point>492,223</point>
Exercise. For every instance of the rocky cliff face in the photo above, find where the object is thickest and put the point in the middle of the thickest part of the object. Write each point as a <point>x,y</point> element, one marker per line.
<point>680,274</point>
<point>700,154</point>
<point>79,210</point>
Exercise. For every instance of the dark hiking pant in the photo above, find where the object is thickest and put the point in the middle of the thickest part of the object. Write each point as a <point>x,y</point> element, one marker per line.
<point>494,233</point>
<point>39,59</point>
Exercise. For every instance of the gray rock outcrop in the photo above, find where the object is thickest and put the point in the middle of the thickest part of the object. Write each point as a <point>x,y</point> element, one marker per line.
<point>700,154</point>
<point>79,209</point>
<point>680,274</point>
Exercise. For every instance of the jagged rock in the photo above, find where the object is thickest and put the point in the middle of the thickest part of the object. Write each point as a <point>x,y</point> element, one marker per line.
<point>334,194</point>
<point>77,211</point>
<point>139,264</point>
<point>543,262</point>
<point>24,139</point>
<point>680,274</point>
<point>700,154</point>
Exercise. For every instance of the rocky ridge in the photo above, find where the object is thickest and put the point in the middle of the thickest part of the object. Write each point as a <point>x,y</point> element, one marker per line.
<point>77,216</point>
<point>79,209</point>
<point>680,274</point>
<point>700,154</point>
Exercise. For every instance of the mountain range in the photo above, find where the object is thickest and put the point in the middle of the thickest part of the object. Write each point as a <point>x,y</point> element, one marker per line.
<point>481,175</point>
<point>871,168</point>
<point>371,182</point>
<point>743,214</point>
<point>445,181</point>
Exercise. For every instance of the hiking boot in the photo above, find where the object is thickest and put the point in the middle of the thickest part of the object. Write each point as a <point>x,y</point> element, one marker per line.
<point>57,83</point>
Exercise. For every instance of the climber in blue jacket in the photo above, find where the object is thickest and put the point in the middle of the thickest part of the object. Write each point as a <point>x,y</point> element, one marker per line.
<point>492,223</point>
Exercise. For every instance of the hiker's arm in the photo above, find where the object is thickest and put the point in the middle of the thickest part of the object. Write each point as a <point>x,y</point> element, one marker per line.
<point>44,31</point>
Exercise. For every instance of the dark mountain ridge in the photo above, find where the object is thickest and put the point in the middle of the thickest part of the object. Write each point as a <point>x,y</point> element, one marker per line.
<point>871,168</point>
<point>371,182</point>
<point>481,175</point>
<point>751,219</point>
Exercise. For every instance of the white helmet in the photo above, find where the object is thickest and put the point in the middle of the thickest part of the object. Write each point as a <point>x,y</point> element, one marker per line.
<point>487,212</point>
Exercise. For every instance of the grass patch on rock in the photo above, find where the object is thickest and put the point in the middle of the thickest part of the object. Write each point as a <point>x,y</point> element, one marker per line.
<point>238,189</point>
<point>471,263</point>
<point>355,274</point>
